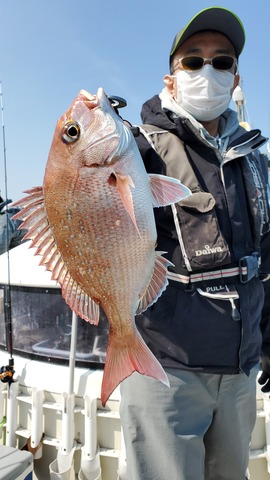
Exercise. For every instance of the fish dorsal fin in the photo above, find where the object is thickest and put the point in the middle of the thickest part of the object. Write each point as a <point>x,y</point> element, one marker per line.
<point>84,306</point>
<point>157,284</point>
<point>166,190</point>
<point>34,217</point>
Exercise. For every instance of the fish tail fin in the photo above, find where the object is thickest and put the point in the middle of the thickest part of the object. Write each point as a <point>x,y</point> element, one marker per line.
<point>124,357</point>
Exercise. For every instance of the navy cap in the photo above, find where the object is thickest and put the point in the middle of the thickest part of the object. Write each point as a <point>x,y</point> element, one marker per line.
<point>218,19</point>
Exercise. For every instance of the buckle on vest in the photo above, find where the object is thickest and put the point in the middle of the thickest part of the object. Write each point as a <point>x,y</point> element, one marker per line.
<point>248,267</point>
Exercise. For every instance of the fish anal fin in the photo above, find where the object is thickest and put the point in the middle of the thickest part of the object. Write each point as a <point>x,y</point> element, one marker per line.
<point>166,190</point>
<point>125,356</point>
<point>157,284</point>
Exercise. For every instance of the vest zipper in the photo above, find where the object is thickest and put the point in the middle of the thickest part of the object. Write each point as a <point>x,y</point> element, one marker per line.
<point>180,238</point>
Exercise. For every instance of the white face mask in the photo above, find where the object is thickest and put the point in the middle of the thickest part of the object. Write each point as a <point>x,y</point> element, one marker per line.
<point>206,93</point>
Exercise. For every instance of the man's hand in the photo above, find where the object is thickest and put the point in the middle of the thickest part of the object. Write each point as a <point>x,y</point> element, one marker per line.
<point>265,376</point>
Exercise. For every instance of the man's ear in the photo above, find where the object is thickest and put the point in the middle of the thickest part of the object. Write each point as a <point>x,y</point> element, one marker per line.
<point>236,82</point>
<point>170,84</point>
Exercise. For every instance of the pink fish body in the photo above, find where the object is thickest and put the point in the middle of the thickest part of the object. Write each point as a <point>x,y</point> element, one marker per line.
<point>93,224</point>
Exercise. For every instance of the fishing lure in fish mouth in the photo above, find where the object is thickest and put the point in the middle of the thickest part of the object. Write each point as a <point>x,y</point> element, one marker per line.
<point>93,225</point>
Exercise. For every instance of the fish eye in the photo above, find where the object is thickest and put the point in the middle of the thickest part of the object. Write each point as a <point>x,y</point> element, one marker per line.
<point>71,132</point>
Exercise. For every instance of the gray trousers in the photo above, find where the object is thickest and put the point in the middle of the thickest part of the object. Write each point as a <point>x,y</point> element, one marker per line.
<point>198,429</point>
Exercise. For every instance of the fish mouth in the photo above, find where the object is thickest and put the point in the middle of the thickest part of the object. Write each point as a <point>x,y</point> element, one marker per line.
<point>90,100</point>
<point>88,95</point>
<point>93,101</point>
<point>100,100</point>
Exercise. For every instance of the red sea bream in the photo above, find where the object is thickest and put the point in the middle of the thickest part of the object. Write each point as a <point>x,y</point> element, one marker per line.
<point>92,222</point>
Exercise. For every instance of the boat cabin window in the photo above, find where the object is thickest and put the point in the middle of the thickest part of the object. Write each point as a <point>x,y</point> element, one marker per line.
<point>39,321</point>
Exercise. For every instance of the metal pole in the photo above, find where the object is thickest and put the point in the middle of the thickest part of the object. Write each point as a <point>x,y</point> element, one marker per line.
<point>8,319</point>
<point>72,353</point>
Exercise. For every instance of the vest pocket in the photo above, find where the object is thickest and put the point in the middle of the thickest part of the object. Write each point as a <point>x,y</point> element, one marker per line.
<point>201,240</point>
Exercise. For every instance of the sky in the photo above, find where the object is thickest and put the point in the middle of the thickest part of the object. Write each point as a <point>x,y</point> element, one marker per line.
<point>51,49</point>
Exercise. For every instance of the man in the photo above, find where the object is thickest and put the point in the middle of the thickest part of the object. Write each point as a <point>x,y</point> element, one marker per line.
<point>205,328</point>
<point>10,236</point>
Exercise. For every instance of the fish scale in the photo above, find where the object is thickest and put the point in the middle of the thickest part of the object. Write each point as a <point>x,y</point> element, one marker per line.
<point>92,222</point>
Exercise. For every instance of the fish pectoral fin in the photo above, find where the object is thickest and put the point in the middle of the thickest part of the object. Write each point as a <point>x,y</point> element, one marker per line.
<point>166,190</point>
<point>35,220</point>
<point>157,284</point>
<point>124,184</point>
<point>125,356</point>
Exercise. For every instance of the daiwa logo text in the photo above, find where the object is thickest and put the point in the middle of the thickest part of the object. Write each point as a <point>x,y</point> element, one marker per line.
<point>207,250</point>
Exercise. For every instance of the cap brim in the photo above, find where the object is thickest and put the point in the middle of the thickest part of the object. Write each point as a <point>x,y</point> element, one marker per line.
<point>214,18</point>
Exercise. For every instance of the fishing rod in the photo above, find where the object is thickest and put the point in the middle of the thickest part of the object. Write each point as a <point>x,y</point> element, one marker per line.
<point>7,371</point>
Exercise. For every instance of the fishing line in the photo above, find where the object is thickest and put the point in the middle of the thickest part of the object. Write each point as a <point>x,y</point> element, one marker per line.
<point>6,372</point>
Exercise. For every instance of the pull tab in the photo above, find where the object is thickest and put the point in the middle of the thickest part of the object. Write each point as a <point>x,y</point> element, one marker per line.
<point>235,312</point>
<point>226,293</point>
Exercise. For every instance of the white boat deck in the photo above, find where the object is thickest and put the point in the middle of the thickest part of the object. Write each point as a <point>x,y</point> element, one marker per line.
<point>74,427</point>
<point>38,407</point>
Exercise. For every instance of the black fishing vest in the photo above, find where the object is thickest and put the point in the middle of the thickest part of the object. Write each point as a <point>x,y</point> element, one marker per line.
<point>195,217</point>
